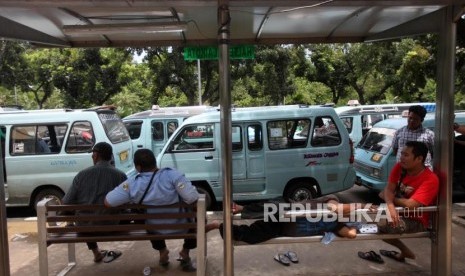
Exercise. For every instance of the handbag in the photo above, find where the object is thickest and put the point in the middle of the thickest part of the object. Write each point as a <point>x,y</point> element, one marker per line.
<point>139,210</point>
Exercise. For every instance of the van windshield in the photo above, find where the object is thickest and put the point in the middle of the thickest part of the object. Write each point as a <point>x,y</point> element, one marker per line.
<point>378,140</point>
<point>114,127</point>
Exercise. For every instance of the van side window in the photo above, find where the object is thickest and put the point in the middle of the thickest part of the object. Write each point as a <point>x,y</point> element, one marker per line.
<point>287,134</point>
<point>348,121</point>
<point>157,131</point>
<point>236,135</point>
<point>36,139</point>
<point>254,137</point>
<point>81,137</point>
<point>133,128</point>
<point>172,126</point>
<point>194,138</point>
<point>325,132</point>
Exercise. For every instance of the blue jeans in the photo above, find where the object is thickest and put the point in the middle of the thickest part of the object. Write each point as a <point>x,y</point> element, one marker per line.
<point>305,227</point>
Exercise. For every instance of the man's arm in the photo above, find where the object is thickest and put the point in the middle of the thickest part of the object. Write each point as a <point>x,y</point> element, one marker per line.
<point>186,190</point>
<point>118,196</point>
<point>388,194</point>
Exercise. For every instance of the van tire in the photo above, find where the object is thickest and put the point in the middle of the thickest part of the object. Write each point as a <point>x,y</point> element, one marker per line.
<point>300,191</point>
<point>55,194</point>
<point>208,197</point>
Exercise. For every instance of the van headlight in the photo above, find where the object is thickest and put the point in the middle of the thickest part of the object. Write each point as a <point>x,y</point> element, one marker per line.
<point>376,173</point>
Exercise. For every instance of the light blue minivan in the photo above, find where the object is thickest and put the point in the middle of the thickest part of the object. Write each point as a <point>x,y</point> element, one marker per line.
<point>374,158</point>
<point>296,152</point>
<point>360,119</point>
<point>43,150</point>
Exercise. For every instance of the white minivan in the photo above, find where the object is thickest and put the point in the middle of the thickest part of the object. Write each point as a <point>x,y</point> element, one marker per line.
<point>151,129</point>
<point>43,150</point>
<point>296,152</point>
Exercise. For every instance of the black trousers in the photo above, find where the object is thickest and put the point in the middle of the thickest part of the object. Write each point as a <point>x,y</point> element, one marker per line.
<point>259,231</point>
<point>188,243</point>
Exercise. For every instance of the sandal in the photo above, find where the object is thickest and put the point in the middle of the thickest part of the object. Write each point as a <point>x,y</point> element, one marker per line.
<point>282,259</point>
<point>292,256</point>
<point>371,256</point>
<point>393,255</point>
<point>186,264</point>
<point>112,255</point>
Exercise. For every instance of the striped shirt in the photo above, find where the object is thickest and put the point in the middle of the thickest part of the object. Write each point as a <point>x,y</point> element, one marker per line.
<point>421,134</point>
<point>91,185</point>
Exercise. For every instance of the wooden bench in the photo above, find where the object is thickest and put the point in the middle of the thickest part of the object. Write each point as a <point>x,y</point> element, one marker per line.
<point>378,236</point>
<point>55,226</point>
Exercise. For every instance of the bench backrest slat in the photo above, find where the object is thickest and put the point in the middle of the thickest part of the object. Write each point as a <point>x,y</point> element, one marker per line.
<point>119,228</point>
<point>116,217</point>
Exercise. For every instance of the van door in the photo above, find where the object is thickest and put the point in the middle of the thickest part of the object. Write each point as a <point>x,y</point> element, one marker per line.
<point>248,158</point>
<point>136,132</point>
<point>195,152</point>
<point>161,130</point>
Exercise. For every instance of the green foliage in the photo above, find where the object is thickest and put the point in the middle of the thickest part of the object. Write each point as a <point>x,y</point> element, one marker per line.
<point>89,77</point>
<point>383,72</point>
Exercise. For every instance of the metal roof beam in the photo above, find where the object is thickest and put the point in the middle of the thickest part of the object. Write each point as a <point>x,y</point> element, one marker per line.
<point>12,30</point>
<point>421,25</point>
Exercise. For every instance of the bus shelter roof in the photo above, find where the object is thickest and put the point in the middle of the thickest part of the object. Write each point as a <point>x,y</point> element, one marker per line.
<point>139,23</point>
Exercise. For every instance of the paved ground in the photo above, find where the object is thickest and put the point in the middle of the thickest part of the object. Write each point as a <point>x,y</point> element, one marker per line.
<point>338,258</point>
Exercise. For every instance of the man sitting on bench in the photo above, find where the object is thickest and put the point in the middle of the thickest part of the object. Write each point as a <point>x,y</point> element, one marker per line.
<point>410,185</point>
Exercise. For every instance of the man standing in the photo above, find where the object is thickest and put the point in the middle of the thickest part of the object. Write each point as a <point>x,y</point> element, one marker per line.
<point>91,185</point>
<point>164,187</point>
<point>410,185</point>
<point>414,131</point>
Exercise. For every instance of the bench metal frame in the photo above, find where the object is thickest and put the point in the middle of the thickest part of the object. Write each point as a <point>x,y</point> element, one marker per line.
<point>49,233</point>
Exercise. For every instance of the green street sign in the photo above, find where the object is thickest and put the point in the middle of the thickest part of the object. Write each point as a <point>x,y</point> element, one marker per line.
<point>211,52</point>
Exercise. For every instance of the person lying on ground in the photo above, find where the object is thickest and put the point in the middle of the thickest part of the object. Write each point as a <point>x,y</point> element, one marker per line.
<point>265,229</point>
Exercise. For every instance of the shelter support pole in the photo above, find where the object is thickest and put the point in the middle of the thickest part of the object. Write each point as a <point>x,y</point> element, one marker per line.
<point>4,251</point>
<point>226,140</point>
<point>441,252</point>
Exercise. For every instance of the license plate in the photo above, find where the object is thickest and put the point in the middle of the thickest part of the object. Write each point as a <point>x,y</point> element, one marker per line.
<point>123,155</point>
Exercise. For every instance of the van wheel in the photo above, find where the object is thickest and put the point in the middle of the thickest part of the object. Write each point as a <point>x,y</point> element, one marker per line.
<point>55,194</point>
<point>208,197</point>
<point>299,191</point>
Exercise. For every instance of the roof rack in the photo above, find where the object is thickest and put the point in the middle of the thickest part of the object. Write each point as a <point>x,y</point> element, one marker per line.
<point>102,107</point>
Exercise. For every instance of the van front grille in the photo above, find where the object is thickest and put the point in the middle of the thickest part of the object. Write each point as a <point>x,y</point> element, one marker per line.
<point>361,168</point>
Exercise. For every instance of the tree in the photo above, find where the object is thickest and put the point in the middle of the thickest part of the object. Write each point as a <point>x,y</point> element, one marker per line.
<point>90,77</point>
<point>331,68</point>
<point>12,66</point>
<point>171,71</point>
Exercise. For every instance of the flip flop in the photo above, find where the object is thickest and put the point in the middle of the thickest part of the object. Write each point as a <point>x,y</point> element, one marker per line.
<point>112,255</point>
<point>371,256</point>
<point>282,259</point>
<point>186,264</point>
<point>392,254</point>
<point>103,253</point>
<point>292,256</point>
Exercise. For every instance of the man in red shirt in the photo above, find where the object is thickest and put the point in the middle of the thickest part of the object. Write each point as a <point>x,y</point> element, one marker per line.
<point>410,185</point>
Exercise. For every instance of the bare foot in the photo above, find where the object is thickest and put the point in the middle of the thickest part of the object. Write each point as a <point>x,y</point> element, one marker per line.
<point>347,232</point>
<point>212,226</point>
<point>236,208</point>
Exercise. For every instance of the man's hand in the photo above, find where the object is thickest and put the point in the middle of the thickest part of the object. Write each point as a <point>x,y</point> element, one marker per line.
<point>394,221</point>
